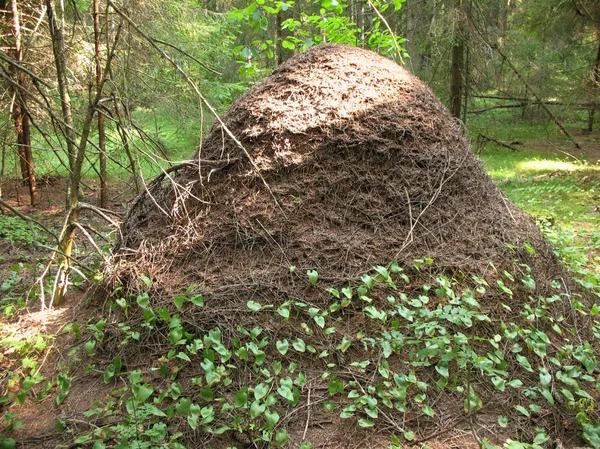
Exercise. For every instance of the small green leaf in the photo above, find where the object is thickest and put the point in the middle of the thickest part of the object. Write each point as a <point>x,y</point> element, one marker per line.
<point>502,421</point>
<point>99,444</point>
<point>257,409</point>
<point>254,306</point>
<point>241,398</point>
<point>261,391</point>
<point>299,345</point>
<point>146,281</point>
<point>272,418</point>
<point>183,406</point>
<point>523,410</point>
<point>142,392</point>
<point>313,276</point>
<point>183,356</point>
<point>207,394</point>
<point>197,300</point>
<point>545,377</point>
<point>143,300</point>
<point>282,346</point>
<point>286,393</point>
<point>365,423</point>
<point>499,383</point>
<point>281,437</point>
<point>515,383</point>
<point>345,344</point>
<point>428,410</point>
<point>284,311</point>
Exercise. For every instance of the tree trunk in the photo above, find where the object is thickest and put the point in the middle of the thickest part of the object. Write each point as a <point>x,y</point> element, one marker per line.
<point>101,133</point>
<point>595,81</point>
<point>278,39</point>
<point>58,48</point>
<point>77,154</point>
<point>20,117</point>
<point>457,68</point>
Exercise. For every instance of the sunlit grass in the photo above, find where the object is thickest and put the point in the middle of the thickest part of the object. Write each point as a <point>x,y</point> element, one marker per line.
<point>545,165</point>
<point>505,165</point>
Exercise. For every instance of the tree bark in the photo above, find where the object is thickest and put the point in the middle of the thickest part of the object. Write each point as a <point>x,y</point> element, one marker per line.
<point>58,48</point>
<point>101,132</point>
<point>20,117</point>
<point>457,68</point>
<point>595,81</point>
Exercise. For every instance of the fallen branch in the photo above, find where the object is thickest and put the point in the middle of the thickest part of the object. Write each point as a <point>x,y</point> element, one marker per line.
<point>526,85</point>
<point>497,142</point>
<point>516,105</point>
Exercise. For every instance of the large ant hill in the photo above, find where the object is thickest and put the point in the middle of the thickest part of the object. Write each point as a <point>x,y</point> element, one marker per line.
<point>338,162</point>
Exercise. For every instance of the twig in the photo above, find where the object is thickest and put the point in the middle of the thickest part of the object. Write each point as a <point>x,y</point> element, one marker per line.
<point>566,153</point>
<point>91,240</point>
<point>193,58</point>
<point>409,238</point>
<point>389,29</point>
<point>307,413</point>
<point>101,212</point>
<point>214,163</point>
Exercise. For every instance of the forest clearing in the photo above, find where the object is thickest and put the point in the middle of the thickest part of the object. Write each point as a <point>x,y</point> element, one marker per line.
<point>300,225</point>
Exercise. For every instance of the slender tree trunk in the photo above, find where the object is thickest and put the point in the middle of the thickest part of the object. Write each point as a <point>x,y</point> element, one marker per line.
<point>67,234</point>
<point>457,68</point>
<point>595,81</point>
<point>21,119</point>
<point>77,154</point>
<point>101,133</point>
<point>58,48</point>
<point>278,39</point>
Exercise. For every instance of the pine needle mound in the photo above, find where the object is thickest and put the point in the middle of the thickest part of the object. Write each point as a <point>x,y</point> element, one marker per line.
<point>363,165</point>
<point>338,162</point>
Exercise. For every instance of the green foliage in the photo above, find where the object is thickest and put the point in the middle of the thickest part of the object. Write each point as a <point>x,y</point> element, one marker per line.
<point>23,380</point>
<point>301,28</point>
<point>17,231</point>
<point>413,348</point>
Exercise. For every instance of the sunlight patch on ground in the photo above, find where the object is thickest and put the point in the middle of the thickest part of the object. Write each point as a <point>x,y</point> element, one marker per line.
<point>549,165</point>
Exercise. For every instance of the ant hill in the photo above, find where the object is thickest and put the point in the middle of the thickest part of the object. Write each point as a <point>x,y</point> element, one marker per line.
<point>337,210</point>
<point>338,161</point>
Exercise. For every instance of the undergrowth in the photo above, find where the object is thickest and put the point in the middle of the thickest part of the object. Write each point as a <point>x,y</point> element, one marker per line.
<point>413,347</point>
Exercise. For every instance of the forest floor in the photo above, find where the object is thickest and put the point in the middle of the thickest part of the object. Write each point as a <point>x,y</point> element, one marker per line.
<point>44,386</point>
